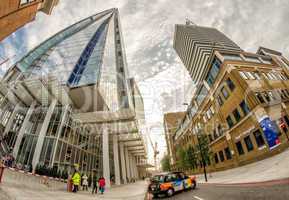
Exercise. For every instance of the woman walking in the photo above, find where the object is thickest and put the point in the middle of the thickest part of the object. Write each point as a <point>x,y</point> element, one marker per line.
<point>85,182</point>
<point>101,183</point>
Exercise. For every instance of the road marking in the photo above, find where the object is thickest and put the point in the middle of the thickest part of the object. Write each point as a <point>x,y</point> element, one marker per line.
<point>196,197</point>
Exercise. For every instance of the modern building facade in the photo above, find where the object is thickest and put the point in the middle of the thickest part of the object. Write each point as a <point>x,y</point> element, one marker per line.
<point>70,100</point>
<point>16,13</point>
<point>243,108</point>
<point>195,46</point>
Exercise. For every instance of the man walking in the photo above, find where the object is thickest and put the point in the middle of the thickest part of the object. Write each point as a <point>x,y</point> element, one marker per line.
<point>76,179</point>
<point>94,182</point>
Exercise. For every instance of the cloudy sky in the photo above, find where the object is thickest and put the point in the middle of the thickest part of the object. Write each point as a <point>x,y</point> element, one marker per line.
<point>148,32</point>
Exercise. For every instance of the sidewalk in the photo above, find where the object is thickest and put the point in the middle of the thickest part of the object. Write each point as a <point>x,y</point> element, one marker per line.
<point>19,186</point>
<point>274,168</point>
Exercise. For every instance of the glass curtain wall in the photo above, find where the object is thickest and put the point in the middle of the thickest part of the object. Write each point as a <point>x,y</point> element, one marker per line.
<point>61,59</point>
<point>108,78</point>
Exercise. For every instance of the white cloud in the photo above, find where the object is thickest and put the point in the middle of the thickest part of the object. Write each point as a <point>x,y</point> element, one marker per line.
<point>148,33</point>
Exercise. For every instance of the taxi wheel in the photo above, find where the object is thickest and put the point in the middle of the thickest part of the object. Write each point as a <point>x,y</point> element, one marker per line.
<point>170,192</point>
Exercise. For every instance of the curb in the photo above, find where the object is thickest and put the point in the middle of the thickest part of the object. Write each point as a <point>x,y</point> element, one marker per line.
<point>284,181</point>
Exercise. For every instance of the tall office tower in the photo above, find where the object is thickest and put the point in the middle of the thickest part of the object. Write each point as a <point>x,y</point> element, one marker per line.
<point>15,14</point>
<point>70,100</point>
<point>195,45</point>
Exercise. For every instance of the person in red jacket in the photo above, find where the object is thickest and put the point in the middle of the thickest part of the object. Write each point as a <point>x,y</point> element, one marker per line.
<point>101,184</point>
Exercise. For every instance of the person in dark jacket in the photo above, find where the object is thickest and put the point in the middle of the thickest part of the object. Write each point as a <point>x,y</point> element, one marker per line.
<point>94,182</point>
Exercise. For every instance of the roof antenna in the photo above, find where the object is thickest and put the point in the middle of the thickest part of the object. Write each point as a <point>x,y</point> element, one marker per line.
<point>189,22</point>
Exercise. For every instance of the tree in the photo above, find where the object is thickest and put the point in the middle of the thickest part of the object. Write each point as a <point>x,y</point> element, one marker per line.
<point>181,158</point>
<point>191,158</point>
<point>204,150</point>
<point>166,164</point>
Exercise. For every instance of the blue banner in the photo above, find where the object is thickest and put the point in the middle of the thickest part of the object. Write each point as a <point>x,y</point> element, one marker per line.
<point>270,131</point>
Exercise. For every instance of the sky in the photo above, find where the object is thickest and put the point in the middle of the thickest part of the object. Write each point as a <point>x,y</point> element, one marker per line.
<point>148,28</point>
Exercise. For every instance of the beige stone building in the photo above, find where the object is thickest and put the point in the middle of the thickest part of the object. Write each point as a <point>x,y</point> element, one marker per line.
<point>171,121</point>
<point>241,104</point>
<point>16,13</point>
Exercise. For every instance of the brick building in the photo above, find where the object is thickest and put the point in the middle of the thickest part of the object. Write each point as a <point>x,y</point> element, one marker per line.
<point>16,13</point>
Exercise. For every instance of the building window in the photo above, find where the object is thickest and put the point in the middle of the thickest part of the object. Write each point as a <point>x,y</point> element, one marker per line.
<point>201,95</point>
<point>211,138</point>
<point>249,143</point>
<point>230,84</point>
<point>250,75</point>
<point>260,97</point>
<point>252,59</point>
<point>244,107</point>
<point>215,134</point>
<point>237,115</point>
<point>216,158</point>
<point>267,97</point>
<point>225,93</point>
<point>214,71</point>
<point>220,100</point>
<point>243,75</point>
<point>229,121</point>
<point>22,2</point>
<point>221,154</point>
<point>256,74</point>
<point>228,153</point>
<point>240,148</point>
<point>259,138</point>
<point>220,130</point>
<point>231,57</point>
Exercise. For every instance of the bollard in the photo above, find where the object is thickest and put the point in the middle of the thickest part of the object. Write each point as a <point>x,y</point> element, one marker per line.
<point>69,184</point>
<point>2,167</point>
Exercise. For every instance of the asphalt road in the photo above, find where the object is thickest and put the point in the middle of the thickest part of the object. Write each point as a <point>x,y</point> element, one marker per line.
<point>217,192</point>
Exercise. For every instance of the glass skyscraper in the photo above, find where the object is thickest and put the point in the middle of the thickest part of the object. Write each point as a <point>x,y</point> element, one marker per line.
<point>70,100</point>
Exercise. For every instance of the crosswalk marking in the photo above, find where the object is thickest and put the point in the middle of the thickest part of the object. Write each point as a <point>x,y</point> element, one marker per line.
<point>196,197</point>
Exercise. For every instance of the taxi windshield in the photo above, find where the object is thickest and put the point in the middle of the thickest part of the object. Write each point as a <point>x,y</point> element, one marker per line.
<point>158,178</point>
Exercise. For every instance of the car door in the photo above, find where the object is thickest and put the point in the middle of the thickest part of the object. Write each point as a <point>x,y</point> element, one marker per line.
<point>178,183</point>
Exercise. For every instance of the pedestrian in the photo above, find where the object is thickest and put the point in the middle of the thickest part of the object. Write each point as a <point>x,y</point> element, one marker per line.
<point>101,183</point>
<point>85,182</point>
<point>94,182</point>
<point>76,179</point>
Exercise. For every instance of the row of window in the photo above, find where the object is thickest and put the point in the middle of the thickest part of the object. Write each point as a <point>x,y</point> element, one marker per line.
<point>210,112</point>
<point>269,75</point>
<point>247,58</point>
<point>224,94</point>
<point>235,116</point>
<point>249,144</point>
<point>221,157</point>
<point>269,96</point>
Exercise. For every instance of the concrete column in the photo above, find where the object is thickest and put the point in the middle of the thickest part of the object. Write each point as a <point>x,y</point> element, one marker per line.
<point>42,134</point>
<point>123,166</point>
<point>127,164</point>
<point>23,128</point>
<point>60,128</point>
<point>116,160</point>
<point>105,157</point>
<point>11,120</point>
<point>131,166</point>
<point>136,169</point>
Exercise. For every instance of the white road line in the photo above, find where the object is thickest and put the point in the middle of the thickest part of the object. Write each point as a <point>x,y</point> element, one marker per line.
<point>196,197</point>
